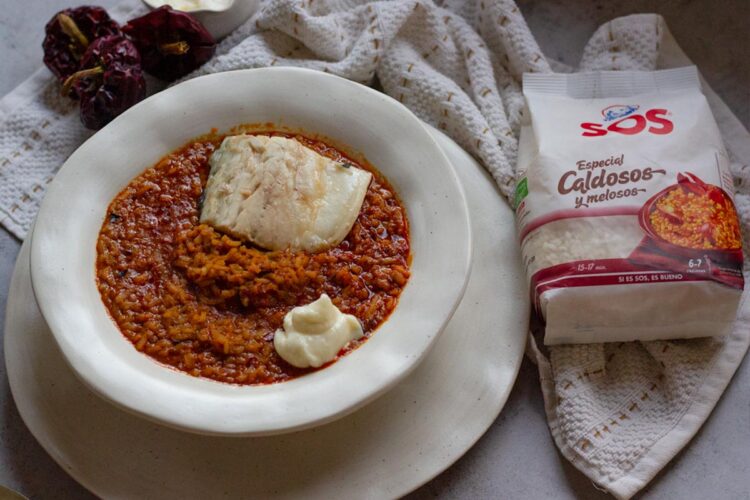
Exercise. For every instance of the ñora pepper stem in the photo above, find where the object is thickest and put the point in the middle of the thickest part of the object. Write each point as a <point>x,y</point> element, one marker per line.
<point>71,29</point>
<point>72,79</point>
<point>175,48</point>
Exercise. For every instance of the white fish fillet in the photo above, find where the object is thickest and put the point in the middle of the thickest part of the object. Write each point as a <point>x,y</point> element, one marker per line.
<point>279,194</point>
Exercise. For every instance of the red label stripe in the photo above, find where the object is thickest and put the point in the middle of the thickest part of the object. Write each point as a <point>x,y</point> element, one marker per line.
<point>602,272</point>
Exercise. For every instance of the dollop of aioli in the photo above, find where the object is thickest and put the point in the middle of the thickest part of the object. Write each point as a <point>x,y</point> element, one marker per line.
<point>313,334</point>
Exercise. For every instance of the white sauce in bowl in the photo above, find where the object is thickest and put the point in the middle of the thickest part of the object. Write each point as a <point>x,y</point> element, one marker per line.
<point>313,334</point>
<point>193,5</point>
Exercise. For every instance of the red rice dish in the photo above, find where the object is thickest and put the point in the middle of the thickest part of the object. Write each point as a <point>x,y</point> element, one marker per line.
<point>208,304</point>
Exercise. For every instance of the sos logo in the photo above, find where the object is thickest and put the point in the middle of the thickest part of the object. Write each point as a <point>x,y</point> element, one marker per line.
<point>624,120</point>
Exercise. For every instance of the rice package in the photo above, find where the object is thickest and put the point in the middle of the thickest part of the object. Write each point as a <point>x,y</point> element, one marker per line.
<point>625,209</point>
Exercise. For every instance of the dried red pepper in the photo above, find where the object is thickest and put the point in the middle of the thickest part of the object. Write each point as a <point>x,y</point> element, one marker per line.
<point>109,80</point>
<point>172,43</point>
<point>68,35</point>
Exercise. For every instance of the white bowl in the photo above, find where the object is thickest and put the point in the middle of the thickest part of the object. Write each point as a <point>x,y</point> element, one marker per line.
<point>218,21</point>
<point>63,249</point>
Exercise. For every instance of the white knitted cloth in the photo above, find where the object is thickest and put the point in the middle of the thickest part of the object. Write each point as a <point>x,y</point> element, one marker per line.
<point>619,412</point>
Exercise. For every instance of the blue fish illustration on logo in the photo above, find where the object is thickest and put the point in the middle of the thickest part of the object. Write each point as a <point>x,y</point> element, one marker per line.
<point>618,111</point>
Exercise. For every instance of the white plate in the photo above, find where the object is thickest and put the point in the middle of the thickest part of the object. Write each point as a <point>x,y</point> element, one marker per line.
<point>371,124</point>
<point>385,449</point>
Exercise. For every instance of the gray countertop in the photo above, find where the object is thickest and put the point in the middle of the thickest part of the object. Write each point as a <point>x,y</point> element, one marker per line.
<point>516,458</point>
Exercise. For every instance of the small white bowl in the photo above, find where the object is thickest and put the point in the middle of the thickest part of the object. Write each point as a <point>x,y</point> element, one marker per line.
<point>219,21</point>
<point>63,248</point>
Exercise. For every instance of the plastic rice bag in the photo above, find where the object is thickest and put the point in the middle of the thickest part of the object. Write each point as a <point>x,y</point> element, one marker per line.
<point>624,206</point>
